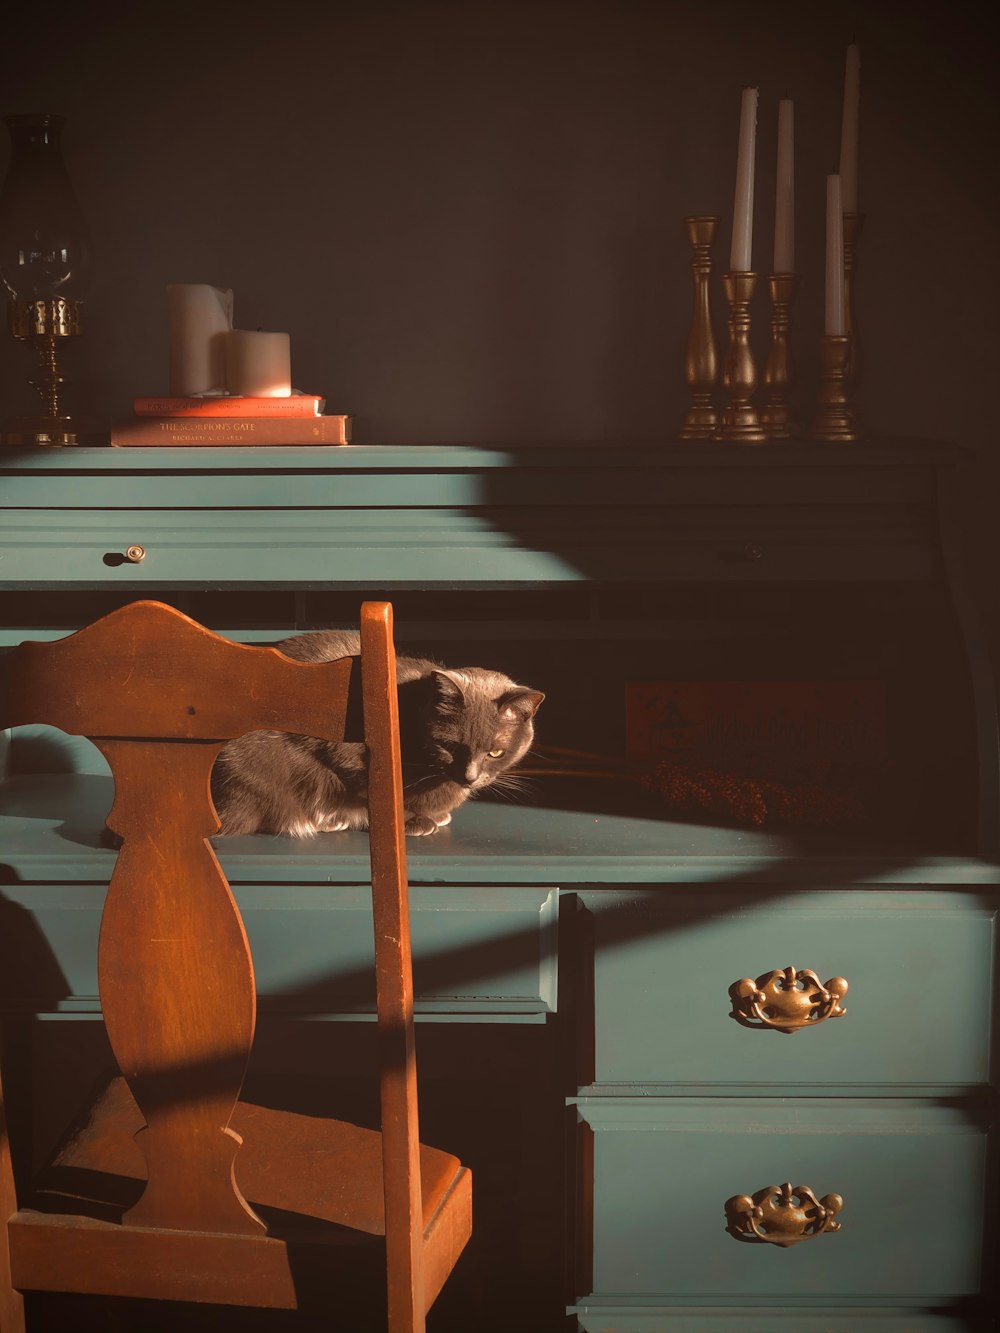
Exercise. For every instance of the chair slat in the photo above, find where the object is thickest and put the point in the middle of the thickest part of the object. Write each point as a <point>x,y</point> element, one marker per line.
<point>149,670</point>
<point>176,985</point>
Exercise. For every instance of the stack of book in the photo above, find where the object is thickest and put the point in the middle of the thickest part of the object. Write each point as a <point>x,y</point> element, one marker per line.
<point>230,419</point>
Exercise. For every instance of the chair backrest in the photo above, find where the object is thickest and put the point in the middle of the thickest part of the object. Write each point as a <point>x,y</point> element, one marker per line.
<point>159,695</point>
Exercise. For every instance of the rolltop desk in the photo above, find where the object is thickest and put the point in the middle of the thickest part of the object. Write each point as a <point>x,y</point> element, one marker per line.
<point>579,950</point>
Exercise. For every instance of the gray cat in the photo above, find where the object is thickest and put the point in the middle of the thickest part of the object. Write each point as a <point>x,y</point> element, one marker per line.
<point>460,731</point>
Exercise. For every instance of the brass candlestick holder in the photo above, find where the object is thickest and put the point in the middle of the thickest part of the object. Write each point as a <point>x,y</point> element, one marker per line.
<point>739,419</point>
<point>776,417</point>
<point>701,365</point>
<point>835,417</point>
<point>852,234</point>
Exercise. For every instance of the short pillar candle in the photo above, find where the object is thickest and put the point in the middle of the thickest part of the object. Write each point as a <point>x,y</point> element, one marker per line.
<point>258,365</point>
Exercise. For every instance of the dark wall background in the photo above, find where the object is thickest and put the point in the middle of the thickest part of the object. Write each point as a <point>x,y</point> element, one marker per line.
<point>468,215</point>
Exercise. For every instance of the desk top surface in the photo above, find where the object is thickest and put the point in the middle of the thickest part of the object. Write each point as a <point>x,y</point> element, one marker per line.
<point>51,831</point>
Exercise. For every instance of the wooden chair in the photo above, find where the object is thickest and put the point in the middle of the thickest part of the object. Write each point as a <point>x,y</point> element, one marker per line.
<point>170,1187</point>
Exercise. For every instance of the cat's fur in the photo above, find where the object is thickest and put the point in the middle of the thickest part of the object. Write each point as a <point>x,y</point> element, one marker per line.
<point>450,720</point>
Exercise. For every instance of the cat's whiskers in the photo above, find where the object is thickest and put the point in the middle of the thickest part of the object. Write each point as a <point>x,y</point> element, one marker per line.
<point>512,786</point>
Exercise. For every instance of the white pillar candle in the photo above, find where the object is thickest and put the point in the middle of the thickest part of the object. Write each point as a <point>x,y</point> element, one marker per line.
<point>784,190</point>
<point>259,364</point>
<point>739,255</point>
<point>849,130</point>
<point>834,323</point>
<point>198,318</point>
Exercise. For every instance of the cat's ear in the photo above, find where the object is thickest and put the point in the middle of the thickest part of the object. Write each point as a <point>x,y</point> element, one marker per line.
<point>520,703</point>
<point>449,686</point>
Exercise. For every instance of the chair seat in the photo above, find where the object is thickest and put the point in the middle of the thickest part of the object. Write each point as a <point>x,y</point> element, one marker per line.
<point>316,1182</point>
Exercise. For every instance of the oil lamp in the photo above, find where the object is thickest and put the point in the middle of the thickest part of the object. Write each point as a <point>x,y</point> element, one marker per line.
<point>46,266</point>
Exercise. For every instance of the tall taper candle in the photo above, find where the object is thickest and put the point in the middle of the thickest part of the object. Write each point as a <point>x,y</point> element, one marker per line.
<point>784,190</point>
<point>849,130</point>
<point>834,325</point>
<point>739,255</point>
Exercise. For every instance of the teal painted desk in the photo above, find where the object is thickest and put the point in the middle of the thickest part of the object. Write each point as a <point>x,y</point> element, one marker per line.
<point>576,951</point>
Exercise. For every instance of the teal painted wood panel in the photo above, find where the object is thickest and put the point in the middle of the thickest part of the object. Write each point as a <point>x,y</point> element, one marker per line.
<point>595,1317</point>
<point>919,967</point>
<point>491,951</point>
<point>911,1176</point>
<point>49,750</point>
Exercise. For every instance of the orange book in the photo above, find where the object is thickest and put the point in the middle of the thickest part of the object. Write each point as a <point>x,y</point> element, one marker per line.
<point>173,432</point>
<point>229,405</point>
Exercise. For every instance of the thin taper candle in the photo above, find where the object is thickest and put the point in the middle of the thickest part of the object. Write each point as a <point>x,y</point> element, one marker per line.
<point>834,325</point>
<point>784,190</point>
<point>740,252</point>
<point>849,130</point>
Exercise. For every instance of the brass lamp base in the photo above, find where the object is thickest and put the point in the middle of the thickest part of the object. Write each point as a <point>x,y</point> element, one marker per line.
<point>40,433</point>
<point>46,323</point>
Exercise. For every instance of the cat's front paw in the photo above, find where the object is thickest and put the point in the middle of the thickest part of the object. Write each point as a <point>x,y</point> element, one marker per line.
<point>419,826</point>
<point>332,824</point>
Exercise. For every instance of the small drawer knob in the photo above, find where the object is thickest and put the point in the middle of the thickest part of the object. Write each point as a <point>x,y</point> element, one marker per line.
<point>787,1000</point>
<point>782,1215</point>
<point>135,555</point>
<point>751,552</point>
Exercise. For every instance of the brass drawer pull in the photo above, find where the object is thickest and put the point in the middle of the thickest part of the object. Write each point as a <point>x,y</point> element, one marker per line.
<point>135,555</point>
<point>782,1215</point>
<point>787,1000</point>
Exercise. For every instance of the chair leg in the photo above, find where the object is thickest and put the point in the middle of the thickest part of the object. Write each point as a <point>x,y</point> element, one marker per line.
<point>394,969</point>
<point>11,1300</point>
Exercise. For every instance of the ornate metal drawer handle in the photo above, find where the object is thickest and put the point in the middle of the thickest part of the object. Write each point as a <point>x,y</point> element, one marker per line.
<point>135,555</point>
<point>782,1215</point>
<point>787,1000</point>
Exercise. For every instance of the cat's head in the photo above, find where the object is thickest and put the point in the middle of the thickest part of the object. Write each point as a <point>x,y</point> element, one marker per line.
<point>479,725</point>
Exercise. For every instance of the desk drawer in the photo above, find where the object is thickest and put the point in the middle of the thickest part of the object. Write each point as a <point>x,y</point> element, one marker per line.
<point>478,952</point>
<point>918,966</point>
<point>313,546</point>
<point>910,1176</point>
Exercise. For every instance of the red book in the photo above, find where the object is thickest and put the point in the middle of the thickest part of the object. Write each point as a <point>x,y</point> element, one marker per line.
<point>230,405</point>
<point>172,432</point>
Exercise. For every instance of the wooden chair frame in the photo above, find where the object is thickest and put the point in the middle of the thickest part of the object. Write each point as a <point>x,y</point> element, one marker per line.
<point>159,695</point>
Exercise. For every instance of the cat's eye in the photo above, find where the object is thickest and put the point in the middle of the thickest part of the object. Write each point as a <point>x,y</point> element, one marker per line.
<point>495,754</point>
